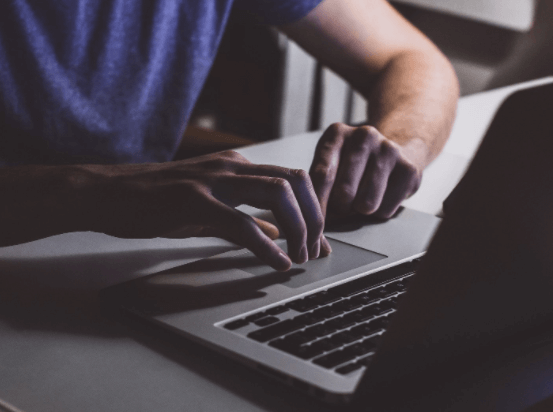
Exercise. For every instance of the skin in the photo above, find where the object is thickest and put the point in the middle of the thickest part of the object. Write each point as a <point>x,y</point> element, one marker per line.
<point>191,198</point>
<point>413,94</point>
<point>365,170</point>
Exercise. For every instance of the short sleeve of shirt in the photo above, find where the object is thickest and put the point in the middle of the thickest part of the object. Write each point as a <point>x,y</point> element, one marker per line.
<point>277,12</point>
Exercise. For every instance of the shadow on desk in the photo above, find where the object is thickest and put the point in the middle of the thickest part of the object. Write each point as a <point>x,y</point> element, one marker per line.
<point>266,393</point>
<point>61,294</point>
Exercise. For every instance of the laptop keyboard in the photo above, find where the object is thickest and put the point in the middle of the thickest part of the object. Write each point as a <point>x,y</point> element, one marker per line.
<point>338,328</point>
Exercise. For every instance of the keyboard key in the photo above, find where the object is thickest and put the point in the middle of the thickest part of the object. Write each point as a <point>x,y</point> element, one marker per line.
<point>366,360</point>
<point>343,337</point>
<point>276,330</point>
<point>366,329</point>
<point>387,305</point>
<point>353,287</point>
<point>365,314</point>
<point>350,319</point>
<point>380,323</point>
<point>255,316</point>
<point>320,330</point>
<point>342,306</point>
<point>382,292</point>
<point>359,300</point>
<point>269,320</point>
<point>324,345</point>
<point>277,310</point>
<point>367,282</point>
<point>370,311</point>
<point>357,332</point>
<point>308,319</point>
<point>301,305</point>
<point>350,367</point>
<point>236,324</point>
<point>397,286</point>
<point>326,312</point>
<point>359,349</point>
<point>282,344</point>
<point>299,338</point>
<point>335,324</point>
<point>324,298</point>
<point>333,359</point>
<point>305,352</point>
<point>374,341</point>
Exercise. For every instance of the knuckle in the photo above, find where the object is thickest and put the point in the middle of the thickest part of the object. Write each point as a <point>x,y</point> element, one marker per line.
<point>229,153</point>
<point>366,207</point>
<point>301,177</point>
<point>234,155</point>
<point>337,128</point>
<point>370,132</point>
<point>360,141</point>
<point>389,149</point>
<point>322,171</point>
<point>415,187</point>
<point>344,193</point>
<point>282,185</point>
<point>300,174</point>
<point>218,163</point>
<point>318,223</point>
<point>410,171</point>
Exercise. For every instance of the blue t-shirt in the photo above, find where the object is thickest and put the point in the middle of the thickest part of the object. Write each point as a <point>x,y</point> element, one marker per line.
<point>109,81</point>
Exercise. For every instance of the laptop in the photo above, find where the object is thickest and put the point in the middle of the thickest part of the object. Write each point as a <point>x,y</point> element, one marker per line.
<point>321,326</point>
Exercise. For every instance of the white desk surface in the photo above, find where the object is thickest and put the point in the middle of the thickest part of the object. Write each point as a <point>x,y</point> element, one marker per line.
<point>60,351</point>
<point>515,15</point>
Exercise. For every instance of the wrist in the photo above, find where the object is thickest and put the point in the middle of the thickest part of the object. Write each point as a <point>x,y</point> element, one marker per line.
<point>416,150</point>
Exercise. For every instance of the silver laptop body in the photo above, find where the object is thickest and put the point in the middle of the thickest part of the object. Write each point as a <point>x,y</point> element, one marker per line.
<point>487,276</point>
<point>200,299</point>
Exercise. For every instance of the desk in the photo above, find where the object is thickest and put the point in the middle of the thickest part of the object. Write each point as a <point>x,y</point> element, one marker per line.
<point>510,14</point>
<point>61,351</point>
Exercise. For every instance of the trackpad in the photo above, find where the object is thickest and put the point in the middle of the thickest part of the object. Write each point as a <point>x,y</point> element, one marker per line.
<point>344,257</point>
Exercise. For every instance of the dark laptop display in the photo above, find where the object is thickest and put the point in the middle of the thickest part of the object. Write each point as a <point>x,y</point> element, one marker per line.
<point>486,282</point>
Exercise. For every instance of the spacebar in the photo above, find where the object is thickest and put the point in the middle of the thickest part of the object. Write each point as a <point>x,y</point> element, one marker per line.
<point>276,330</point>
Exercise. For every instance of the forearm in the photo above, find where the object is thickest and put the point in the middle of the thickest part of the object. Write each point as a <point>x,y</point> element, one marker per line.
<point>41,201</point>
<point>413,103</point>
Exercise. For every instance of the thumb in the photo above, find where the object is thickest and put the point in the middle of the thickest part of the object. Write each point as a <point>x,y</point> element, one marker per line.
<point>268,228</point>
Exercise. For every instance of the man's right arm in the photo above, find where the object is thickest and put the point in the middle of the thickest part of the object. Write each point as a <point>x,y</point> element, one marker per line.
<point>190,198</point>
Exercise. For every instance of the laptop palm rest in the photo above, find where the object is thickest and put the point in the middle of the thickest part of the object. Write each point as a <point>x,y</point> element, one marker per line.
<point>243,264</point>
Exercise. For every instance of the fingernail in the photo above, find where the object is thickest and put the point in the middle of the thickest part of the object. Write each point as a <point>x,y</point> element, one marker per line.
<point>284,263</point>
<point>315,250</point>
<point>326,246</point>
<point>303,255</point>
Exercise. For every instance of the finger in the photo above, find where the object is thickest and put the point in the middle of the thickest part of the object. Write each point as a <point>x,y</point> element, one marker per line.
<point>305,196</point>
<point>326,161</point>
<point>403,181</point>
<point>353,162</point>
<point>240,228</point>
<point>375,180</point>
<point>275,194</point>
<point>326,249</point>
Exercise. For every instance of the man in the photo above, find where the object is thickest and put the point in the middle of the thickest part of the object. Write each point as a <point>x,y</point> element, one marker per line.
<point>96,94</point>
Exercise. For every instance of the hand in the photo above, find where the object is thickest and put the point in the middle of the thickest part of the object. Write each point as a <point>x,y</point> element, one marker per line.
<point>197,197</point>
<point>358,170</point>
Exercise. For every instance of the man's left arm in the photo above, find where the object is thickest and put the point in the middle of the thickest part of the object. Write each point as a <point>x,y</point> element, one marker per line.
<point>412,90</point>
